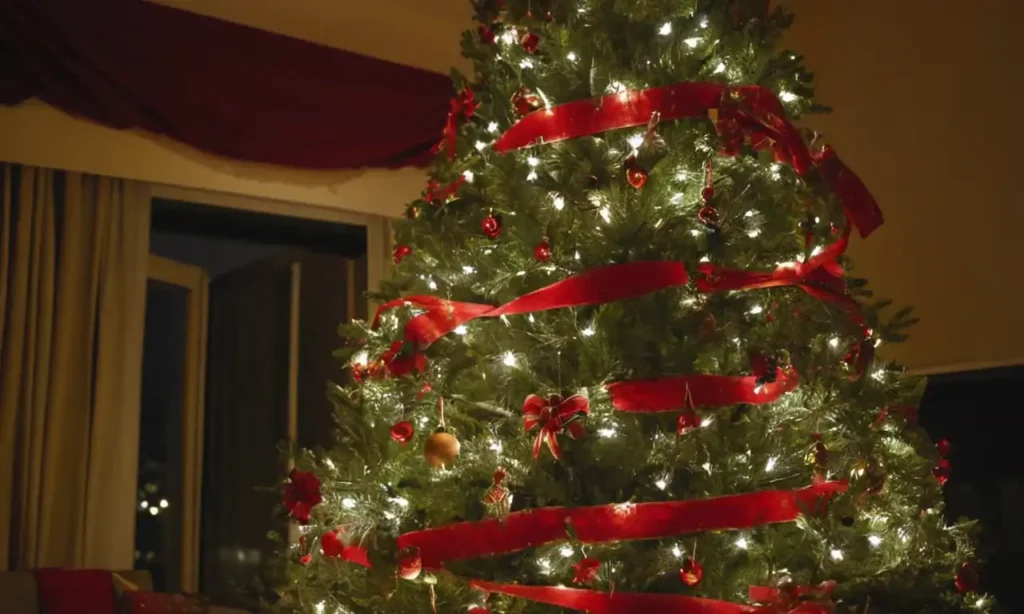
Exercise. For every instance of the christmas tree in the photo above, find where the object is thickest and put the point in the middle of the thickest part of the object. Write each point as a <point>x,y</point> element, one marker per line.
<point>621,365</point>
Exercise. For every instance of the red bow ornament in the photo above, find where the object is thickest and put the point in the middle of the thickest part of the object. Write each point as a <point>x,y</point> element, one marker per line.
<point>462,106</point>
<point>554,415</point>
<point>793,599</point>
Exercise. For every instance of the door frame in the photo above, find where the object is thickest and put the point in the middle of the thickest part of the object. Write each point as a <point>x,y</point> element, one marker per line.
<point>196,282</point>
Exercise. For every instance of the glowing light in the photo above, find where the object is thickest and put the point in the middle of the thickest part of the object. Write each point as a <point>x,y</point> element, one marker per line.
<point>424,420</point>
<point>607,432</point>
<point>692,42</point>
<point>708,421</point>
<point>526,63</point>
<point>720,68</point>
<point>606,215</point>
<point>695,232</point>
<point>468,176</point>
<point>571,57</point>
<point>509,359</point>
<point>164,503</point>
<point>705,259</point>
<point>817,250</point>
<point>495,445</point>
<point>348,503</point>
<point>703,22</point>
<point>468,270</point>
<point>319,608</point>
<point>756,309</point>
<point>878,375</point>
<point>510,36</point>
<point>770,465</point>
<point>742,543</point>
<point>532,161</point>
<point>834,342</point>
<point>144,504</point>
<point>558,203</point>
<point>753,233</point>
<point>480,145</point>
<point>461,330</point>
<point>636,140</point>
<point>836,554</point>
<point>545,565</point>
<point>785,96</point>
<point>154,510</point>
<point>532,176</point>
<point>588,331</point>
<point>400,501</point>
<point>875,540</point>
<point>706,467</point>
<point>576,255</point>
<point>676,198</point>
<point>360,358</point>
<point>616,87</point>
<point>665,29</point>
<point>565,551</point>
<point>661,484</point>
<point>492,127</point>
<point>330,464</point>
<point>432,285</point>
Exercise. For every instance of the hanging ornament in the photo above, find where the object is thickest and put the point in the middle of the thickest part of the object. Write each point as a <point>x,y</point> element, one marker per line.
<point>707,214</point>
<point>529,41</point>
<point>691,572</point>
<point>402,432</point>
<point>586,570</point>
<point>409,563</point>
<point>542,253</point>
<point>413,212</point>
<point>944,448</point>
<point>400,252</point>
<point>305,559</point>
<point>554,415</point>
<point>441,447</point>
<point>525,101</point>
<point>817,457</point>
<point>498,498</point>
<point>689,419</point>
<point>635,174</point>
<point>966,578</point>
<point>549,17</point>
<point>942,471</point>
<point>491,225</point>
<point>486,34</point>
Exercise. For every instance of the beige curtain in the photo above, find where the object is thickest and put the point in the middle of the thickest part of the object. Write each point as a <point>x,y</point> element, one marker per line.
<point>73,256</point>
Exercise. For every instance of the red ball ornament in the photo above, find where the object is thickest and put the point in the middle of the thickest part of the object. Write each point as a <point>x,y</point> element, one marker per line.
<point>409,563</point>
<point>586,570</point>
<point>944,448</point>
<point>530,42</point>
<point>524,101</point>
<point>400,252</point>
<point>491,226</point>
<point>305,559</point>
<point>486,34</point>
<point>942,471</point>
<point>707,193</point>
<point>635,174</point>
<point>708,215</point>
<point>542,253</point>
<point>691,572</point>
<point>402,432</point>
<point>966,578</point>
<point>688,421</point>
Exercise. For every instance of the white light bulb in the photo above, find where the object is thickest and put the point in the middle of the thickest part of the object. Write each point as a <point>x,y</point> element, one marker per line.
<point>461,330</point>
<point>480,145</point>
<point>565,551</point>
<point>742,543</point>
<point>753,233</point>
<point>692,42</point>
<point>676,198</point>
<point>606,215</point>
<point>785,96</point>
<point>834,342</point>
<point>607,432</point>
<point>164,503</point>
<point>705,259</point>
<point>509,36</point>
<point>532,176</point>
<point>706,467</point>
<point>720,68</point>
<point>588,331</point>
<point>817,250</point>
<point>576,255</point>
<point>495,445</point>
<point>695,232</point>
<point>665,29</point>
<point>144,504</point>
<point>432,285</point>
<point>532,161</point>
<point>875,540</point>
<point>400,501</point>
<point>703,22</point>
<point>677,551</point>
<point>319,608</point>
<point>526,63</point>
<point>878,375</point>
<point>661,484</point>
<point>570,56</point>
<point>492,127</point>
<point>545,565</point>
<point>636,140</point>
<point>468,176</point>
<point>509,359</point>
<point>468,270</point>
<point>360,358</point>
<point>558,203</point>
<point>756,309</point>
<point>154,510</point>
<point>836,554</point>
<point>348,503</point>
<point>770,465</point>
<point>708,421</point>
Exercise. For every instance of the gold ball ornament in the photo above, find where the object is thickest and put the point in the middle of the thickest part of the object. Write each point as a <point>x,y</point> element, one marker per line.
<point>441,448</point>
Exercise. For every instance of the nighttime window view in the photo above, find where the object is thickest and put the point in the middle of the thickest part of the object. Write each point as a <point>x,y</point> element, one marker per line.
<point>509,306</point>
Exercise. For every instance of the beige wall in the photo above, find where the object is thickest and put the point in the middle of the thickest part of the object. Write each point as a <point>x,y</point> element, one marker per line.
<point>925,113</point>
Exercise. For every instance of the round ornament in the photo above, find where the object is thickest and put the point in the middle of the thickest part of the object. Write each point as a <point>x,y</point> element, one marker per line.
<point>688,421</point>
<point>525,101</point>
<point>441,449</point>
<point>400,252</point>
<point>409,563</point>
<point>691,572</point>
<point>966,578</point>
<point>542,253</point>
<point>707,193</point>
<point>944,448</point>
<point>491,225</point>
<point>942,471</point>
<point>636,175</point>
<point>708,216</point>
<point>486,34</point>
<point>529,42</point>
<point>402,432</point>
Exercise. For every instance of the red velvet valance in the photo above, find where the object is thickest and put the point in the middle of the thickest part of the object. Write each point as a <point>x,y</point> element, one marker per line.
<point>221,87</point>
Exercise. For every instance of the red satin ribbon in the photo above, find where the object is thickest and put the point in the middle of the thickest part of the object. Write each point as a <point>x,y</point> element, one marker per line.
<point>748,113</point>
<point>462,106</point>
<point>553,416</point>
<point>669,394</point>
<point>786,598</point>
<point>607,523</point>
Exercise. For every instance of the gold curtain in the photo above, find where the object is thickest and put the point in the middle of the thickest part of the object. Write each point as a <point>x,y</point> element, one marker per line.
<point>73,257</point>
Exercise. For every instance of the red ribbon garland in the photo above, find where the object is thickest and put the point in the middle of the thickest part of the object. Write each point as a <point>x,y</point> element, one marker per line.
<point>553,416</point>
<point>669,393</point>
<point>596,602</point>
<point>786,599</point>
<point>742,113</point>
<point>607,523</point>
<point>462,106</point>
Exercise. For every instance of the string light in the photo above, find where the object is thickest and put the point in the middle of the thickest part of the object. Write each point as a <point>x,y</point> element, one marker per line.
<point>616,87</point>
<point>770,465</point>
<point>496,446</point>
<point>834,342</point>
<point>676,198</point>
<point>720,68</point>
<point>703,23</point>
<point>836,554</point>
<point>571,57</point>
<point>588,331</point>
<point>468,176</point>
<point>144,504</point>
<point>742,543</point>
<point>677,551</point>
<point>509,36</point>
<point>461,330</point>
<point>348,503</point>
<point>558,203</point>
<point>526,63</point>
<point>875,540</point>
<point>636,140</point>
<point>786,96</point>
<point>607,432</point>
<point>666,29</point>
<point>319,607</point>
<point>566,551</point>
<point>753,233</point>
<point>545,565</point>
<point>432,285</point>
<point>532,176</point>
<point>708,421</point>
<point>154,510</point>
<point>661,484</point>
<point>756,309</point>
<point>692,42</point>
<point>606,215</point>
<point>532,161</point>
<point>468,270</point>
<point>164,503</point>
<point>492,127</point>
<point>509,359</point>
